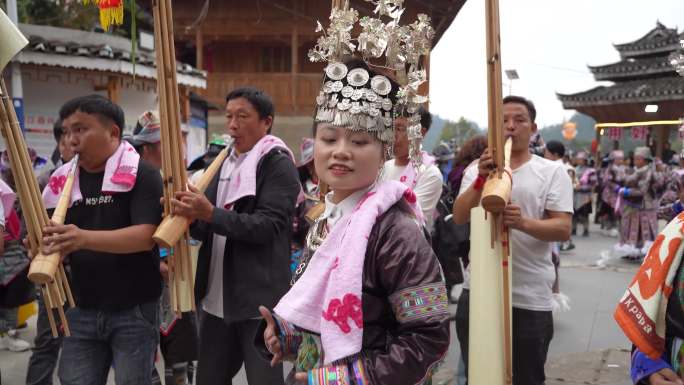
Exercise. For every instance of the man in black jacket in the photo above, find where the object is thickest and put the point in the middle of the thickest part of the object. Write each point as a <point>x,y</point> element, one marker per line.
<point>244,259</point>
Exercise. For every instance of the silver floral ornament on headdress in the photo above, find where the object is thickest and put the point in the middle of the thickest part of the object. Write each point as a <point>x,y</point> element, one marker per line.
<point>351,98</point>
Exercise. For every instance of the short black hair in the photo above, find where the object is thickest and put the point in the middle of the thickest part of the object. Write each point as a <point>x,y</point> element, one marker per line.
<point>531,110</point>
<point>425,118</point>
<point>58,130</point>
<point>260,100</point>
<point>555,147</point>
<point>95,105</point>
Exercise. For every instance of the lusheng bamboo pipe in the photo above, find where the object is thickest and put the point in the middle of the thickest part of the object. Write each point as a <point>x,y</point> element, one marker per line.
<point>497,369</point>
<point>497,190</point>
<point>173,227</point>
<point>56,291</point>
<point>44,267</point>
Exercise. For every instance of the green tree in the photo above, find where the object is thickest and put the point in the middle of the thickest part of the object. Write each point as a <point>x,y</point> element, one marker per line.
<point>461,131</point>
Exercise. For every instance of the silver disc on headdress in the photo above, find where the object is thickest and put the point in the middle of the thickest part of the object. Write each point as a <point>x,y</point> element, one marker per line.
<point>381,85</point>
<point>336,71</point>
<point>358,77</point>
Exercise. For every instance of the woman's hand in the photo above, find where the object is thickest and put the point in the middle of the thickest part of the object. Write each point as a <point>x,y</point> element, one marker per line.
<point>271,336</point>
<point>665,377</point>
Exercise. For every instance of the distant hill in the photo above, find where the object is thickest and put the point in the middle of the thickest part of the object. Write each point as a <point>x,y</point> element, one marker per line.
<point>432,136</point>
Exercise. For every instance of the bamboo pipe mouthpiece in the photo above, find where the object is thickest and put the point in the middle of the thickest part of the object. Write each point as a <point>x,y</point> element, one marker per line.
<point>43,268</point>
<point>497,192</point>
<point>171,230</point>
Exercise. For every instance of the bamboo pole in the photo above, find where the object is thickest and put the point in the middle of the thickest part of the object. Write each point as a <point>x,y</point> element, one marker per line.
<point>53,281</point>
<point>48,309</point>
<point>498,368</point>
<point>173,164</point>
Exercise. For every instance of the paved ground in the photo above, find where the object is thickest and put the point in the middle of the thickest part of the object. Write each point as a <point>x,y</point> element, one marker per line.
<point>587,348</point>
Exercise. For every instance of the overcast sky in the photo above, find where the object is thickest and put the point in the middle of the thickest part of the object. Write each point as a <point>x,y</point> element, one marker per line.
<point>549,43</point>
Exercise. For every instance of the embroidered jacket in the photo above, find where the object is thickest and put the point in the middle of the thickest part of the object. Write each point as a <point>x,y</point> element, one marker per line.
<point>643,186</point>
<point>405,313</point>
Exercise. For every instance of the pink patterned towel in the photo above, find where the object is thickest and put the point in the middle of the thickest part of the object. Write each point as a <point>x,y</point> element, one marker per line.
<point>410,177</point>
<point>120,173</point>
<point>242,181</point>
<point>327,298</point>
<point>7,198</point>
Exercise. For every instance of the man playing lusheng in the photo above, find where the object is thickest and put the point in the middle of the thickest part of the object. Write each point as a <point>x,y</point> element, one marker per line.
<point>107,237</point>
<point>539,214</point>
<point>244,224</point>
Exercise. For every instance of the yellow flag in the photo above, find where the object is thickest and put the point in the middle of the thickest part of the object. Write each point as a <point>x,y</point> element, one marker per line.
<point>11,40</point>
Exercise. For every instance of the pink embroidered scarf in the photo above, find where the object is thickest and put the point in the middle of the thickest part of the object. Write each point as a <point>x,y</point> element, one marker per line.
<point>240,182</point>
<point>7,198</point>
<point>327,297</point>
<point>121,171</point>
<point>410,177</point>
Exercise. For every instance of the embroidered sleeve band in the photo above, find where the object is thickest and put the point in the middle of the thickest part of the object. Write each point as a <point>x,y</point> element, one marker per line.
<point>290,338</point>
<point>330,375</point>
<point>420,302</point>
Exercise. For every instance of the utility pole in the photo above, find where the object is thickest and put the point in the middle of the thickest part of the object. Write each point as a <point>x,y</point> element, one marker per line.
<point>17,89</point>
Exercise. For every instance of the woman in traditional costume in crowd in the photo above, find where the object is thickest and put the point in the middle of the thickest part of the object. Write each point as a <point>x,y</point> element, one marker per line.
<point>638,202</point>
<point>651,312</point>
<point>584,189</point>
<point>672,202</point>
<point>309,181</point>
<point>369,305</point>
<point>611,180</point>
<point>15,288</point>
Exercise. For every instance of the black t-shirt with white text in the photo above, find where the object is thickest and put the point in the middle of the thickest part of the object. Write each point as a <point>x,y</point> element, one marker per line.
<point>107,281</point>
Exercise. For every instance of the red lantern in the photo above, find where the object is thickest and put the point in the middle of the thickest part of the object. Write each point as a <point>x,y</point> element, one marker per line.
<point>569,130</point>
<point>111,12</point>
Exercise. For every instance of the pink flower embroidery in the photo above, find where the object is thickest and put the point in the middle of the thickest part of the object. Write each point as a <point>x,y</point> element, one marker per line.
<point>403,179</point>
<point>410,196</point>
<point>339,311</point>
<point>57,183</point>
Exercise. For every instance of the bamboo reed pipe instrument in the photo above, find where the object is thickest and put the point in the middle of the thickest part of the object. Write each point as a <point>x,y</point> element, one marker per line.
<point>173,227</point>
<point>497,190</point>
<point>181,276</point>
<point>48,270</point>
<point>490,353</point>
<point>44,267</point>
<point>53,281</point>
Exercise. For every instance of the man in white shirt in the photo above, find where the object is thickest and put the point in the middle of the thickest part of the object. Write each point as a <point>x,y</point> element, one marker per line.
<point>539,214</point>
<point>426,182</point>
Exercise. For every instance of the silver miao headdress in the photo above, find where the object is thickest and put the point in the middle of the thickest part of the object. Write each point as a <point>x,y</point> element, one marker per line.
<point>359,99</point>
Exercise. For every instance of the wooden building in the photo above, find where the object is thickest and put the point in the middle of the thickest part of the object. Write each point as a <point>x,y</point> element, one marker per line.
<point>643,76</point>
<point>264,43</point>
<point>59,64</point>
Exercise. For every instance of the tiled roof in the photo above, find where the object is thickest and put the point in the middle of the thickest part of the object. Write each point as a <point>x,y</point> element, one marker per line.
<point>636,91</point>
<point>634,68</point>
<point>658,40</point>
<point>62,47</point>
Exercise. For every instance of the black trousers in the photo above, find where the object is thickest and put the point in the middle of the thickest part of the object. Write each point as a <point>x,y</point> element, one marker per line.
<point>225,347</point>
<point>532,334</point>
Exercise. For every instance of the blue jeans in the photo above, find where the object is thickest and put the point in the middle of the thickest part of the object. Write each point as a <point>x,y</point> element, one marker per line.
<point>126,340</point>
<point>43,360</point>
